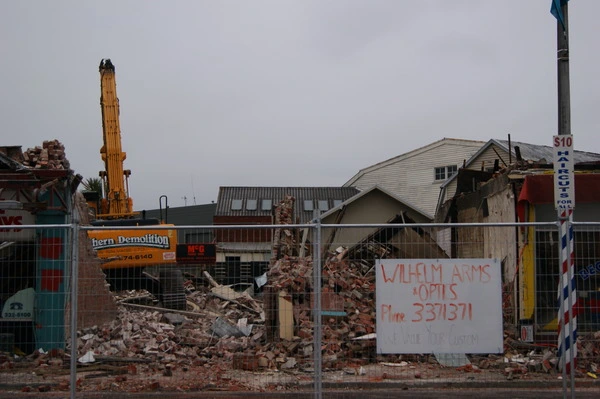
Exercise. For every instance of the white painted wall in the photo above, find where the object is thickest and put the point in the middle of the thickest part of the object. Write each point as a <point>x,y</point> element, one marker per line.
<point>411,176</point>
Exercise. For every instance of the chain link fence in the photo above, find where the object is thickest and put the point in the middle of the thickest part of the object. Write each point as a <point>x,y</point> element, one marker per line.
<point>308,309</point>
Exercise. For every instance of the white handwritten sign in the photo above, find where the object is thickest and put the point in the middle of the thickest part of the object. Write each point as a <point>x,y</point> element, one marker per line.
<point>439,305</point>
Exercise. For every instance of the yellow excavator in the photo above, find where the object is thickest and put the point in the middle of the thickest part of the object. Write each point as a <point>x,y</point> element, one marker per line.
<point>117,203</point>
<point>132,258</point>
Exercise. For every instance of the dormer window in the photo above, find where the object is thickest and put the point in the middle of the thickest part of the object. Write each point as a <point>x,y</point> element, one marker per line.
<point>309,205</point>
<point>251,204</point>
<point>236,205</point>
<point>267,204</point>
<point>323,205</point>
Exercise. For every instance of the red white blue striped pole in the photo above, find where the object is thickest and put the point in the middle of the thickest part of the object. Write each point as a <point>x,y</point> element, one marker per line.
<point>564,196</point>
<point>567,319</point>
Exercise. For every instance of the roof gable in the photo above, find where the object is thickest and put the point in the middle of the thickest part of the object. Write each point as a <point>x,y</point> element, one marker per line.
<point>363,193</point>
<point>402,157</point>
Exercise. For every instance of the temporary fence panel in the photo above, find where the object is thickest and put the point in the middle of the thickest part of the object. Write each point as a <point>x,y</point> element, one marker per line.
<point>310,309</point>
<point>35,283</point>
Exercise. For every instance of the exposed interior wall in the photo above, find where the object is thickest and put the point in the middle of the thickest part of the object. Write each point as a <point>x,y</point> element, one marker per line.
<point>501,208</point>
<point>494,202</point>
<point>96,304</point>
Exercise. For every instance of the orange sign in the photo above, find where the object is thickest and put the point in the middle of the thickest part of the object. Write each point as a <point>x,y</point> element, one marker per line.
<point>134,248</point>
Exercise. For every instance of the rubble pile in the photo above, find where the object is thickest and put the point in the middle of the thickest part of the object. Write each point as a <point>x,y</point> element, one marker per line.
<point>522,358</point>
<point>222,330</point>
<point>141,334</point>
<point>588,348</point>
<point>223,333</point>
<point>347,303</point>
<point>51,155</point>
<point>291,274</point>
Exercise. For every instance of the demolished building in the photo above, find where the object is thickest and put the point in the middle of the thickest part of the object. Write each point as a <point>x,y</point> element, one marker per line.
<point>523,192</point>
<point>38,187</point>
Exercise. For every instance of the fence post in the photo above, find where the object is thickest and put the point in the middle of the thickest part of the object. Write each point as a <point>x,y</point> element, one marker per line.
<point>75,229</point>
<point>318,382</point>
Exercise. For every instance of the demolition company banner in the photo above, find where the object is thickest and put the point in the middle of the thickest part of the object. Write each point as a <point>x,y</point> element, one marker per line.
<point>439,306</point>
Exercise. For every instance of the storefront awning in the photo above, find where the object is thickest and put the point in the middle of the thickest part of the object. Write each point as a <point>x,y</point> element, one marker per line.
<point>539,189</point>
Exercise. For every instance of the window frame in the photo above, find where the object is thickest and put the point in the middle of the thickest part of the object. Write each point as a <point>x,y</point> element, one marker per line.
<point>439,171</point>
<point>266,204</point>
<point>445,172</point>
<point>251,204</point>
<point>237,204</point>
<point>325,204</point>
<point>308,205</point>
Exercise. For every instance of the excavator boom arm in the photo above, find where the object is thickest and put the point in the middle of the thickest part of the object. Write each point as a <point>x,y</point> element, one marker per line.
<point>116,202</point>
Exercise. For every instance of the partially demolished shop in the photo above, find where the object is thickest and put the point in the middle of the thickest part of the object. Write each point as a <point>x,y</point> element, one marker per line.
<point>34,264</point>
<point>524,192</point>
<point>37,187</point>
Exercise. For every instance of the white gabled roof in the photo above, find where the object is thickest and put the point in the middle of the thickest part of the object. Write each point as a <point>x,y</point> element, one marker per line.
<point>410,154</point>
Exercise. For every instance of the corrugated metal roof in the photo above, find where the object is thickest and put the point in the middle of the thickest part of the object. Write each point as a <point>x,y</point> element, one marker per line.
<point>301,194</point>
<point>536,153</point>
<point>529,152</point>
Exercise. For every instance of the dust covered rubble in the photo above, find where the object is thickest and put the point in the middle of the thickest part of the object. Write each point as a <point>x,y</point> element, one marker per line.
<point>150,340</point>
<point>158,335</point>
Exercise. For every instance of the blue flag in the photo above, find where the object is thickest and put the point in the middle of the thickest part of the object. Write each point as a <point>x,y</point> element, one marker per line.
<point>556,10</point>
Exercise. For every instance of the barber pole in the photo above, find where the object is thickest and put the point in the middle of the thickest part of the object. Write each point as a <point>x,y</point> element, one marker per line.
<point>564,200</point>
<point>567,296</point>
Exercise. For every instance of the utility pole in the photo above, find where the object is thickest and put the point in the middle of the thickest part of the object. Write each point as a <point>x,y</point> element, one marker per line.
<point>562,63</point>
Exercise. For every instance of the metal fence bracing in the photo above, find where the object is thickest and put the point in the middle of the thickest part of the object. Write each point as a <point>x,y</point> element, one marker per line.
<point>313,308</point>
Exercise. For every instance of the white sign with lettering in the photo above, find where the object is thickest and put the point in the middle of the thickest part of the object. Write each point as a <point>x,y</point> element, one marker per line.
<point>564,179</point>
<point>439,306</point>
<point>10,220</point>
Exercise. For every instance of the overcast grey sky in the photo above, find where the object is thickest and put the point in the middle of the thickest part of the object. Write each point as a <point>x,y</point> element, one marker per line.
<point>281,92</point>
